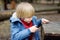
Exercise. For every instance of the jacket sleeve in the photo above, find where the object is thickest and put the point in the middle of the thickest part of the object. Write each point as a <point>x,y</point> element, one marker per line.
<point>16,33</point>
<point>38,22</point>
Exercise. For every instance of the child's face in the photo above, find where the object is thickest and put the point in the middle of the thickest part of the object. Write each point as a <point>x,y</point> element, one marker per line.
<point>28,19</point>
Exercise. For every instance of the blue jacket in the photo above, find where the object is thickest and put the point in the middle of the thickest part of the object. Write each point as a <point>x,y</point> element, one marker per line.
<point>19,32</point>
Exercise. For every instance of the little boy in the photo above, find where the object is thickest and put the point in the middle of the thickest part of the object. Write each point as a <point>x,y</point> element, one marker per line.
<point>24,25</point>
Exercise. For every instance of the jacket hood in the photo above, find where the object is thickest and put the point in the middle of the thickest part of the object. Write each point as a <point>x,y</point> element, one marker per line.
<point>14,18</point>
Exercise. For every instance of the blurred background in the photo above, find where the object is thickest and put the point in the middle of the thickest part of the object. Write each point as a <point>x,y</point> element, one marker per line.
<point>49,9</point>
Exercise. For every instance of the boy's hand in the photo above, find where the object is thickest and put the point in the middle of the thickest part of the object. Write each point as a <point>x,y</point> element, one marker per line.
<point>33,29</point>
<point>45,21</point>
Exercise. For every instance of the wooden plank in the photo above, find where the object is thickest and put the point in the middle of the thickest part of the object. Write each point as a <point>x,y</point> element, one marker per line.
<point>51,31</point>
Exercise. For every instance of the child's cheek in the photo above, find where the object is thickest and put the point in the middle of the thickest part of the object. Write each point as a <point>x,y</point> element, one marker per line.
<point>27,19</point>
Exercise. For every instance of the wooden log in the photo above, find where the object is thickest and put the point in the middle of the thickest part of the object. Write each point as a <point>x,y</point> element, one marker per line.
<point>4,15</point>
<point>48,9</point>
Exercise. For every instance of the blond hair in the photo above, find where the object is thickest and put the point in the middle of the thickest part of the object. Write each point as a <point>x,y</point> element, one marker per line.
<point>24,10</point>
